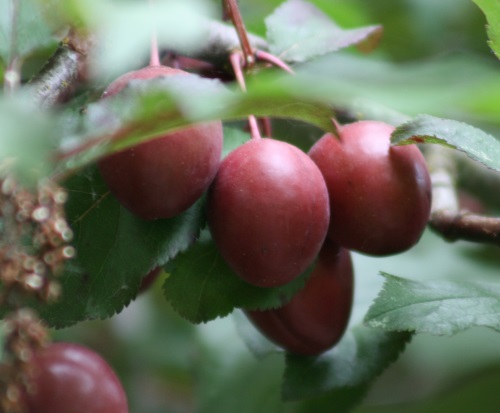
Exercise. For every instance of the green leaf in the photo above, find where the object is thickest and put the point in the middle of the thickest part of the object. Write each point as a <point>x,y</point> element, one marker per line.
<point>27,140</point>
<point>115,250</point>
<point>491,8</point>
<point>22,29</point>
<point>436,307</point>
<point>353,364</point>
<point>342,400</point>
<point>202,287</point>
<point>297,31</point>
<point>146,109</point>
<point>477,144</point>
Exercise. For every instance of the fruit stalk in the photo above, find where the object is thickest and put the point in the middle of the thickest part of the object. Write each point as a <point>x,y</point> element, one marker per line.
<point>232,9</point>
<point>155,54</point>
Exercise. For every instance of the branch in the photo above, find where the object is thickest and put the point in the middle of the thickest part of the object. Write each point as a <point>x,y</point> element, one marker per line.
<point>446,217</point>
<point>464,225</point>
<point>67,66</point>
<point>61,73</point>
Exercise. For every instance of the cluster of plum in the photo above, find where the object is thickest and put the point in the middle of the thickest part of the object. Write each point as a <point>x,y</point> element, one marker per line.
<point>274,211</point>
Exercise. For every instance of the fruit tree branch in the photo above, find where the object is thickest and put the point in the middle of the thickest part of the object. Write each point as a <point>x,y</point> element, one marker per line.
<point>446,217</point>
<point>61,73</point>
<point>231,6</point>
<point>68,63</point>
<point>466,226</point>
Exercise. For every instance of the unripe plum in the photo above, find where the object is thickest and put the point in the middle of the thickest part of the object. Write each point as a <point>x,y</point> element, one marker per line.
<point>163,177</point>
<point>268,211</point>
<point>72,378</point>
<point>315,319</point>
<point>380,195</point>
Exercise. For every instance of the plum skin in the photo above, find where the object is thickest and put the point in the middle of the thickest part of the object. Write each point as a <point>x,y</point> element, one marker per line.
<point>267,210</point>
<point>72,378</point>
<point>315,319</point>
<point>163,177</point>
<point>380,195</point>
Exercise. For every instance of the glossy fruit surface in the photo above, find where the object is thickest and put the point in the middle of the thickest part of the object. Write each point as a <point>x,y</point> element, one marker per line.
<point>315,319</point>
<point>380,195</point>
<point>164,176</point>
<point>72,378</point>
<point>268,211</point>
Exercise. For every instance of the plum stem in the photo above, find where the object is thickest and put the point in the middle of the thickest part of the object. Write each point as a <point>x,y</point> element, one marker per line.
<point>232,10</point>
<point>155,54</point>
<point>254,127</point>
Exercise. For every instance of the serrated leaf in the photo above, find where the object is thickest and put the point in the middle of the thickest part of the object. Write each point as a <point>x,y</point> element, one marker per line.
<point>436,307</point>
<point>491,8</point>
<point>202,287</point>
<point>115,249</point>
<point>354,363</point>
<point>476,143</point>
<point>298,31</point>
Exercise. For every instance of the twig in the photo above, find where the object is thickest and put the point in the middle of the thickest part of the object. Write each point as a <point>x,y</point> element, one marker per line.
<point>12,76</point>
<point>232,9</point>
<point>446,217</point>
<point>60,74</point>
<point>466,226</point>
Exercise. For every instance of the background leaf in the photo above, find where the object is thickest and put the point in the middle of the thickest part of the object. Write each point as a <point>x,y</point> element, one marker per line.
<point>298,31</point>
<point>26,146</point>
<point>355,362</point>
<point>22,29</point>
<point>436,307</point>
<point>115,250</point>
<point>477,144</point>
<point>491,9</point>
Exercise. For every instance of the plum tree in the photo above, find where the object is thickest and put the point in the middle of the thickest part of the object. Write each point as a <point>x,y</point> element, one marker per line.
<point>164,176</point>
<point>268,211</point>
<point>380,195</point>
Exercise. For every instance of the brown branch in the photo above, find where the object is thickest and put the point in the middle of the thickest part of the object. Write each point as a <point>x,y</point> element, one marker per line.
<point>446,217</point>
<point>59,76</point>
<point>466,226</point>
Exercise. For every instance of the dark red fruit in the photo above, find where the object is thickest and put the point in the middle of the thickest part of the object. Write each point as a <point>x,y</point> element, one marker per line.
<point>72,378</point>
<point>315,319</point>
<point>268,211</point>
<point>163,177</point>
<point>380,195</point>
